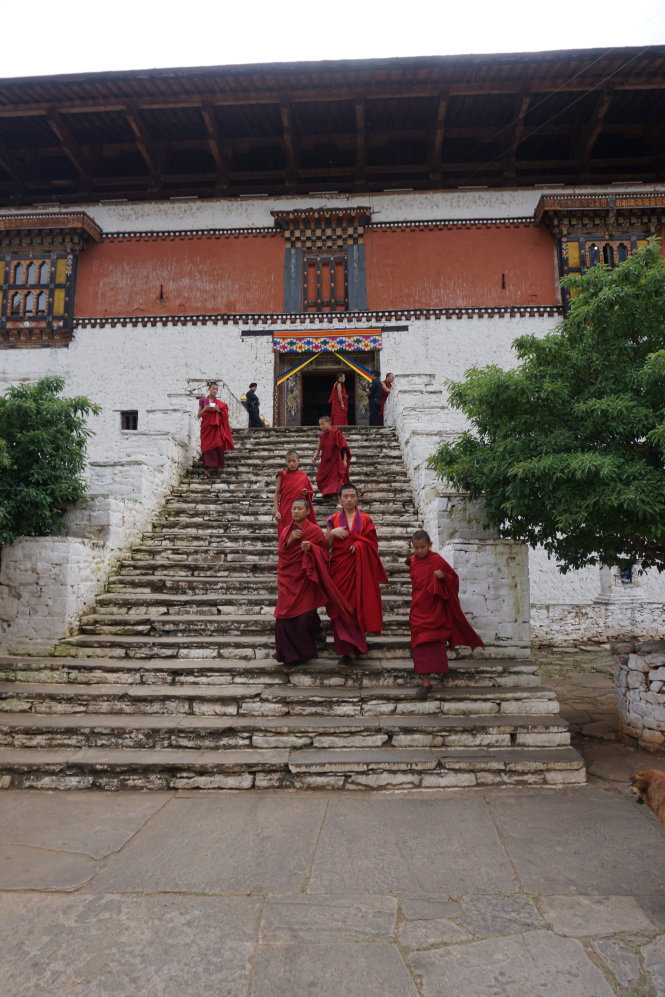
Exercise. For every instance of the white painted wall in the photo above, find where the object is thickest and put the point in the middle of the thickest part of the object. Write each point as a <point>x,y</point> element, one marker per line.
<point>159,370</point>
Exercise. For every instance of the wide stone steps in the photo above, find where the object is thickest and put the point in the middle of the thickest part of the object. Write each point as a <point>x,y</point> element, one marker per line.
<point>223,604</point>
<point>271,700</point>
<point>173,580</point>
<point>234,645</point>
<point>383,768</point>
<point>211,624</point>
<point>323,673</point>
<point>170,682</point>
<point>157,731</point>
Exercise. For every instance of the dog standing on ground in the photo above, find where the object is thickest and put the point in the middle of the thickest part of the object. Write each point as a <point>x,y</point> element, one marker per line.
<point>649,788</point>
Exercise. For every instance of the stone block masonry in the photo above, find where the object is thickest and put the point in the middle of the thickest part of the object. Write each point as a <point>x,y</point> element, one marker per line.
<point>640,686</point>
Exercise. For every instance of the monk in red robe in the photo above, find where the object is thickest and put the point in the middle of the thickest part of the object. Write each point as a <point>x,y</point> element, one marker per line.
<point>303,584</point>
<point>386,387</point>
<point>291,484</point>
<point>216,435</point>
<point>335,456</point>
<point>339,402</point>
<point>357,570</point>
<point>436,617</point>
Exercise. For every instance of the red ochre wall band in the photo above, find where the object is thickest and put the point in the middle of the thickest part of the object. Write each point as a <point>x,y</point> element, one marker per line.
<point>426,268</point>
<point>181,276</point>
<point>406,267</point>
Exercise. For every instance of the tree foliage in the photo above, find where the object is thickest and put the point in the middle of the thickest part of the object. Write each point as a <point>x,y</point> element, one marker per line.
<point>42,456</point>
<point>568,449</point>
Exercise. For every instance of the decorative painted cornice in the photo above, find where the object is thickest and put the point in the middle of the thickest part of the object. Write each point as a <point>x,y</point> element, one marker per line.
<point>326,318</point>
<point>70,231</point>
<point>263,230</point>
<point>621,211</point>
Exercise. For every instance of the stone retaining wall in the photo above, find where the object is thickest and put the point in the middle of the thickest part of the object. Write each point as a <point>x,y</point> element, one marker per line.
<point>555,625</point>
<point>640,684</point>
<point>47,582</point>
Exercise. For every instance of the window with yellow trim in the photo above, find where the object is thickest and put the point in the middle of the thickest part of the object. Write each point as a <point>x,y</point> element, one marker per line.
<point>36,291</point>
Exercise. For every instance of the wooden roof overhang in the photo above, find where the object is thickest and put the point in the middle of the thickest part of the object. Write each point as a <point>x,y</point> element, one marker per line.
<point>572,117</point>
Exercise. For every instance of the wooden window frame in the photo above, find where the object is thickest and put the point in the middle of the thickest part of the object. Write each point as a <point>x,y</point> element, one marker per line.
<point>335,302</point>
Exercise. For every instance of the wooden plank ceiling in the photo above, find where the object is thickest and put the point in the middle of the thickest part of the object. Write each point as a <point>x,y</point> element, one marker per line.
<point>574,117</point>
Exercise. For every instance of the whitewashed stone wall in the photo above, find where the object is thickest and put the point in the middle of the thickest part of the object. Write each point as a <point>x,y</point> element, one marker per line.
<point>640,687</point>
<point>47,582</point>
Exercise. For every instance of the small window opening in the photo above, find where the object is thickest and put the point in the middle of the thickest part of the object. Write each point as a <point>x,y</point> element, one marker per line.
<point>626,576</point>
<point>129,419</point>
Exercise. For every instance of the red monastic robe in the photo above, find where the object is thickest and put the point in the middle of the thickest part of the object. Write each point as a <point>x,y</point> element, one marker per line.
<point>215,431</point>
<point>339,414</point>
<point>304,580</point>
<point>385,391</point>
<point>357,572</point>
<point>436,617</point>
<point>332,474</point>
<point>292,485</point>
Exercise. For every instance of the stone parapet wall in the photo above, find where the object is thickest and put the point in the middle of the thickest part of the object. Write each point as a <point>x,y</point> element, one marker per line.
<point>640,687</point>
<point>555,624</point>
<point>47,582</point>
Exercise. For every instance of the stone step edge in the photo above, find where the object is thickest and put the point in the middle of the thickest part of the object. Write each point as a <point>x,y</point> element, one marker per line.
<point>286,725</point>
<point>519,666</point>
<point>402,769</point>
<point>269,693</point>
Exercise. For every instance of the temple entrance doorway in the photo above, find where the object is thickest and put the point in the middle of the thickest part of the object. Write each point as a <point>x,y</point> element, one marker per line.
<point>316,388</point>
<point>302,397</point>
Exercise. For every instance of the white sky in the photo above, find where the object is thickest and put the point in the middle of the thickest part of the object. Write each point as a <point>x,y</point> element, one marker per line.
<point>88,35</point>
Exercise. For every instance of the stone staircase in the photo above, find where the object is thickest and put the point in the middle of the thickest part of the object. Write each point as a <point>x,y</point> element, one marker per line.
<point>170,681</point>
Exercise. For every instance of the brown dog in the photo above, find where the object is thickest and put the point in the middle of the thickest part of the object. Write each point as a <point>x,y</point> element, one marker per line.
<point>649,788</point>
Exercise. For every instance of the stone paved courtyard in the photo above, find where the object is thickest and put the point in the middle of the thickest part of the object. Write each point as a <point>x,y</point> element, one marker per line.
<point>470,893</point>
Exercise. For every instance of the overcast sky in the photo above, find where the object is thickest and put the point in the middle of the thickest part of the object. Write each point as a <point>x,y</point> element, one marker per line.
<point>87,36</point>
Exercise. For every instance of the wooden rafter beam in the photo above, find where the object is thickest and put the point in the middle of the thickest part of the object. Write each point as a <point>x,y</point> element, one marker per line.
<point>361,142</point>
<point>593,130</point>
<point>216,145</point>
<point>515,134</point>
<point>70,146</point>
<point>436,143</point>
<point>8,164</point>
<point>143,141</point>
<point>289,143</point>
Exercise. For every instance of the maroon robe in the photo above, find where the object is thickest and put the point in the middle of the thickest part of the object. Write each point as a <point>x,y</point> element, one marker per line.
<point>292,485</point>
<point>385,391</point>
<point>215,433</point>
<point>436,618</point>
<point>332,474</point>
<point>339,414</point>
<point>357,570</point>
<point>303,584</point>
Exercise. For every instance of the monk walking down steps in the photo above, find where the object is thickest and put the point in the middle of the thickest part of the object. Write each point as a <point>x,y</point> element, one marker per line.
<point>436,618</point>
<point>333,450</point>
<point>292,484</point>
<point>216,435</point>
<point>357,571</point>
<point>303,584</point>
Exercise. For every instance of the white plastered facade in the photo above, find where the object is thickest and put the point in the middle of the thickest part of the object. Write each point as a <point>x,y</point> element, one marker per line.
<point>159,368</point>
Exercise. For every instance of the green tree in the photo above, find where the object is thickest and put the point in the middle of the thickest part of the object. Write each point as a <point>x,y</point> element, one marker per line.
<point>567,450</point>
<point>42,457</point>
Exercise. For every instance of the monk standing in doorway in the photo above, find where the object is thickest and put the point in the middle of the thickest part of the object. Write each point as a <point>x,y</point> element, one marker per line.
<point>339,402</point>
<point>216,435</point>
<point>335,455</point>
<point>357,571</point>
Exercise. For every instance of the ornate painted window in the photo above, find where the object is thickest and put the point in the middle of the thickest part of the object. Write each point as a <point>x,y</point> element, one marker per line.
<point>38,257</point>
<point>325,259</point>
<point>600,229</point>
